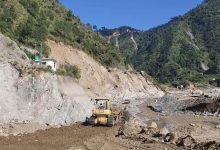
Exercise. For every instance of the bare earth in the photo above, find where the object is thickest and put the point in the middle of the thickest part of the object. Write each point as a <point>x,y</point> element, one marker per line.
<point>54,138</point>
<point>81,137</point>
<point>75,137</point>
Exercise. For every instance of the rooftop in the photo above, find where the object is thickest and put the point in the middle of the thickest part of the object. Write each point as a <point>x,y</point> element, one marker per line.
<point>48,59</point>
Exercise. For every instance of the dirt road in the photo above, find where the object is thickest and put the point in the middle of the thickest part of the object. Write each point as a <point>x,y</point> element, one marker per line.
<point>80,137</point>
<point>76,136</point>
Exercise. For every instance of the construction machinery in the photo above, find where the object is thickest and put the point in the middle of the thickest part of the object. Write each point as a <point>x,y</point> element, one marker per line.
<point>103,114</point>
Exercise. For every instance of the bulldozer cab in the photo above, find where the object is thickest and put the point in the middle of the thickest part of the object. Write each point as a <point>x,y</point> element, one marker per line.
<point>102,104</point>
<point>102,113</point>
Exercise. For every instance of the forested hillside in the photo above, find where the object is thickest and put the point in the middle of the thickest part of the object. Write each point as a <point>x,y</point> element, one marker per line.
<point>185,49</point>
<point>121,38</point>
<point>34,21</point>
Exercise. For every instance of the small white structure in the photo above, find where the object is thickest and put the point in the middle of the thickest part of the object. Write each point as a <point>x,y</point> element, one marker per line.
<point>52,63</point>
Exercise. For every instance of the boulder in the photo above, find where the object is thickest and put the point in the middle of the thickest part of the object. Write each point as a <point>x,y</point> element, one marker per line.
<point>217,126</point>
<point>164,131</point>
<point>197,93</point>
<point>169,137</point>
<point>153,125</point>
<point>187,141</point>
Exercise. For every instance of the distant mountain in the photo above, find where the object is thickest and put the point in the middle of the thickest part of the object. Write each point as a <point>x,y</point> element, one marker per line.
<point>123,38</point>
<point>185,49</point>
<point>34,21</point>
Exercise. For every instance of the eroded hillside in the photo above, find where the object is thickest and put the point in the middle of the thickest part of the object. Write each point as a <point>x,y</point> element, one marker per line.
<point>186,49</point>
<point>31,22</point>
<point>100,81</point>
<point>31,95</point>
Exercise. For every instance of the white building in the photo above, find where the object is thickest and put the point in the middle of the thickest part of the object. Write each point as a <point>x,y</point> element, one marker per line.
<point>52,63</point>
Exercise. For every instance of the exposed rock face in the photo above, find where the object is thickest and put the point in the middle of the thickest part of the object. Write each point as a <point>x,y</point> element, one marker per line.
<point>8,97</point>
<point>53,100</point>
<point>44,98</point>
<point>30,95</point>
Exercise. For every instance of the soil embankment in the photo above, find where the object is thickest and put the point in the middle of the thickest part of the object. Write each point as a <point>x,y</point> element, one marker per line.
<point>99,81</point>
<point>32,96</point>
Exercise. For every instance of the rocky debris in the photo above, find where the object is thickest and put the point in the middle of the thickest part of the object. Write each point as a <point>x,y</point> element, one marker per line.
<point>217,126</point>
<point>197,93</point>
<point>206,105</point>
<point>192,124</point>
<point>134,128</point>
<point>169,137</point>
<point>190,137</point>
<point>164,131</point>
<point>187,142</point>
<point>190,143</point>
<point>145,135</point>
<point>209,109</point>
<point>181,134</point>
<point>153,125</point>
<point>120,132</point>
<point>212,145</point>
<point>167,103</point>
<point>212,93</point>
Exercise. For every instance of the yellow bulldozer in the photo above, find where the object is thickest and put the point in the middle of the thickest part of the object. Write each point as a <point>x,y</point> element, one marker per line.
<point>103,114</point>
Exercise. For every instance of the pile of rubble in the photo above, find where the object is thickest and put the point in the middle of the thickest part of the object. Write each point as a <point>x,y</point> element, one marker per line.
<point>165,136</point>
<point>205,104</point>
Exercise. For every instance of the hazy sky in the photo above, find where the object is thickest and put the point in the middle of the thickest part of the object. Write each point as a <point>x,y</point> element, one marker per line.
<point>140,14</point>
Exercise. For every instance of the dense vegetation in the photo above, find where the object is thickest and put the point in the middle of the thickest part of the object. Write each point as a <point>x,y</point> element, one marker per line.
<point>30,22</point>
<point>68,70</point>
<point>179,50</point>
<point>123,35</point>
<point>185,49</point>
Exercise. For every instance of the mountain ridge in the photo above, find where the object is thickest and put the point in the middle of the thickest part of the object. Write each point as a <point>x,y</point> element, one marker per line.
<point>186,49</point>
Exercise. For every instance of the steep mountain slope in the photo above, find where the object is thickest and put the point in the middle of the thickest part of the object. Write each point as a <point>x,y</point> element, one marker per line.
<point>185,49</point>
<point>99,81</point>
<point>29,95</point>
<point>33,94</point>
<point>123,38</point>
<point>30,22</point>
